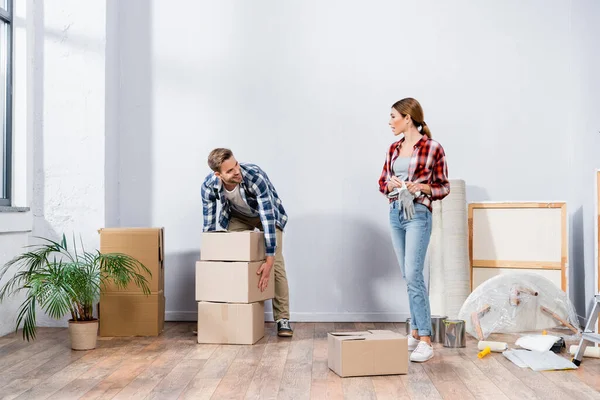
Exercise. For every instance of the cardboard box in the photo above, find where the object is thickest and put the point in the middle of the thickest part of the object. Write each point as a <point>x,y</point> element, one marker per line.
<point>232,246</point>
<point>374,352</point>
<point>144,244</point>
<point>129,314</point>
<point>222,323</point>
<point>231,282</point>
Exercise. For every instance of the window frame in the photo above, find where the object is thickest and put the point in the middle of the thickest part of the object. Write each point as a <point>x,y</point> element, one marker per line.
<point>6,16</point>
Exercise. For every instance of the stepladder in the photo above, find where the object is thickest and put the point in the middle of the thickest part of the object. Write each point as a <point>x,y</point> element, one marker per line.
<point>588,337</point>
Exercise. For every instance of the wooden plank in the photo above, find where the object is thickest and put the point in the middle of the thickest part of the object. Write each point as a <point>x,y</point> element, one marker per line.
<point>570,383</point>
<point>471,207</point>
<point>147,380</point>
<point>389,388</point>
<point>517,264</point>
<point>359,388</point>
<point>418,384</point>
<point>500,376</point>
<point>171,386</point>
<point>517,204</point>
<point>296,378</point>
<point>542,387</point>
<point>325,384</point>
<point>238,378</point>
<point>563,249</point>
<point>205,382</point>
<point>445,378</point>
<point>480,385</point>
<point>267,377</point>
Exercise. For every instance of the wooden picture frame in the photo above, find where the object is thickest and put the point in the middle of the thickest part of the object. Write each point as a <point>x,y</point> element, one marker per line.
<point>500,228</point>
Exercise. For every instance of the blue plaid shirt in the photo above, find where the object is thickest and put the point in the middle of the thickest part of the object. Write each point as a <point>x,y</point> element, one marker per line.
<point>260,195</point>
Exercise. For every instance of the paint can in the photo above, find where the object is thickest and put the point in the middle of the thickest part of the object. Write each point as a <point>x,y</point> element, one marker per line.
<point>455,334</point>
<point>437,328</point>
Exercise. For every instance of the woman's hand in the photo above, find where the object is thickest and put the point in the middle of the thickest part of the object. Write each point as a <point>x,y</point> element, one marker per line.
<point>418,187</point>
<point>393,183</point>
<point>414,187</point>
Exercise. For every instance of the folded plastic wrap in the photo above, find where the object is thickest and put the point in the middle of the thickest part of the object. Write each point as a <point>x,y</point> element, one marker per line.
<point>518,302</point>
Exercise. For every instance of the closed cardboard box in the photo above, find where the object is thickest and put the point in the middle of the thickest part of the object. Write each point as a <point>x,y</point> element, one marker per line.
<point>374,352</point>
<point>143,244</point>
<point>232,246</point>
<point>223,323</point>
<point>128,314</point>
<point>231,282</point>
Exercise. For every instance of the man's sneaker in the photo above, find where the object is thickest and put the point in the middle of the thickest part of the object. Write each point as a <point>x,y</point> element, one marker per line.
<point>422,353</point>
<point>284,328</point>
<point>412,343</point>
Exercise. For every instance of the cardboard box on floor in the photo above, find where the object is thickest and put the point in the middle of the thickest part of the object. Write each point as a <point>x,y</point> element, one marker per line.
<point>130,314</point>
<point>369,353</point>
<point>144,244</point>
<point>231,282</point>
<point>232,246</point>
<point>224,323</point>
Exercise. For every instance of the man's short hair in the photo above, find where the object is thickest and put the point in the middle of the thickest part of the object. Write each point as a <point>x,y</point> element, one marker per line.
<point>217,157</point>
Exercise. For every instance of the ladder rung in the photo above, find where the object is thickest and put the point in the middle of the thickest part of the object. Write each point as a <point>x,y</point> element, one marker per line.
<point>592,337</point>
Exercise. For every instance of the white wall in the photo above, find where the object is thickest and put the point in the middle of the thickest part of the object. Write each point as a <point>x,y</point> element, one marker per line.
<point>128,98</point>
<point>585,142</point>
<point>60,151</point>
<point>69,136</point>
<point>304,90</point>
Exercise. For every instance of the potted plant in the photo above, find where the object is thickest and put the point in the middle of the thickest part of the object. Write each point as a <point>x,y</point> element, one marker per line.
<point>62,281</point>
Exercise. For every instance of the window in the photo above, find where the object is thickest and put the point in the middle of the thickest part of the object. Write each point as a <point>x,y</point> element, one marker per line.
<point>5,100</point>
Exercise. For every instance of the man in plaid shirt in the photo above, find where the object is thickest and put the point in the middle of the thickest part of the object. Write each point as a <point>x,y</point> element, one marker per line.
<point>249,200</point>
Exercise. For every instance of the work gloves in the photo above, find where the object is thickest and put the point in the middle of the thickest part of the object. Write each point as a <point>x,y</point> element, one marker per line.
<point>406,198</point>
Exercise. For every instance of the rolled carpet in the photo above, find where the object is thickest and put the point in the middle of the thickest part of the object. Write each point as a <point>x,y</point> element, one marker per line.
<point>448,254</point>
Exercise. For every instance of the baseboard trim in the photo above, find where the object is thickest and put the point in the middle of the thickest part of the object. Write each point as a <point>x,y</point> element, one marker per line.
<point>307,317</point>
<point>183,316</point>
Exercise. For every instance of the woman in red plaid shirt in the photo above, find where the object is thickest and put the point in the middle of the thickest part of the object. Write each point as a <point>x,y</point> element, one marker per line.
<point>414,175</point>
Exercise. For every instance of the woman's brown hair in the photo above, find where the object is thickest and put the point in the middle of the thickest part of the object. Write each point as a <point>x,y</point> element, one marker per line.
<point>410,106</point>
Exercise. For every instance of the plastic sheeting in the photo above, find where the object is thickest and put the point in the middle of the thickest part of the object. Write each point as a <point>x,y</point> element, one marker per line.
<point>517,302</point>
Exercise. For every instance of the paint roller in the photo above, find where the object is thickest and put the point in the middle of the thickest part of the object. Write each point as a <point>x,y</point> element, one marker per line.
<point>590,351</point>
<point>497,347</point>
<point>484,352</point>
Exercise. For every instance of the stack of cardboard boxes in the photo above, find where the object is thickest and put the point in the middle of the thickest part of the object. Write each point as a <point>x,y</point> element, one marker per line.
<point>230,304</point>
<point>128,311</point>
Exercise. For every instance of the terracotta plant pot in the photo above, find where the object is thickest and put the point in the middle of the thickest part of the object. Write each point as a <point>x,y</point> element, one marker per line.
<point>83,334</point>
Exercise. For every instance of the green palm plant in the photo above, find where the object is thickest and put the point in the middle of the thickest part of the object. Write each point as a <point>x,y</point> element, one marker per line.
<point>63,282</point>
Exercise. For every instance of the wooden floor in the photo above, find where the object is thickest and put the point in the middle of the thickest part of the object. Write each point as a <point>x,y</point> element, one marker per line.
<point>174,366</point>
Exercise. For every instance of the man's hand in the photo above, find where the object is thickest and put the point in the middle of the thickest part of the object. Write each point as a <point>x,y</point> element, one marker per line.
<point>265,271</point>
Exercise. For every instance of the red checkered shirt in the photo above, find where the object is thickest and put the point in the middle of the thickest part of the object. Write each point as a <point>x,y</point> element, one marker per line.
<point>427,165</point>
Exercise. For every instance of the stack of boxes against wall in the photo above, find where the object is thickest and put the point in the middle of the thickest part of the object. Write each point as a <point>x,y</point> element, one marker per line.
<point>230,304</point>
<point>128,311</point>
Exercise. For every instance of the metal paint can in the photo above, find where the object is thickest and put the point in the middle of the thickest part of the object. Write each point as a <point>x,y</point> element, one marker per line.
<point>437,328</point>
<point>455,333</point>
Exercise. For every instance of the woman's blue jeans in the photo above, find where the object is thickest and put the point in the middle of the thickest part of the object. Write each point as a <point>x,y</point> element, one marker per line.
<point>410,240</point>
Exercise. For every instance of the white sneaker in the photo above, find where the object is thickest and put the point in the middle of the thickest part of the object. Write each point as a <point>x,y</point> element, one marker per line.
<point>422,353</point>
<point>412,343</point>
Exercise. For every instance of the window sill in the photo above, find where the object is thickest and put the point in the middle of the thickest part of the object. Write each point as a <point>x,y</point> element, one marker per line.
<point>15,219</point>
<point>7,209</point>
